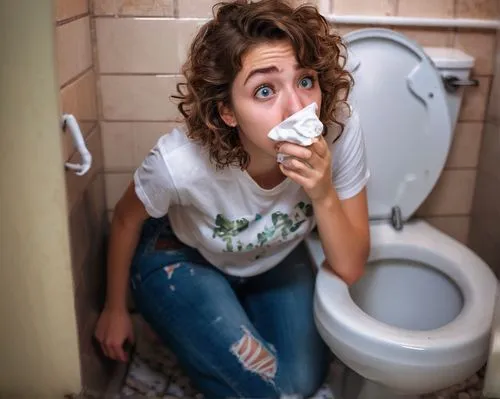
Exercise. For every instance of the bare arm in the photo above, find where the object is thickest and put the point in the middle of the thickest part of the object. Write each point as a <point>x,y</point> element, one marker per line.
<point>114,326</point>
<point>126,226</point>
<point>344,232</point>
<point>343,225</point>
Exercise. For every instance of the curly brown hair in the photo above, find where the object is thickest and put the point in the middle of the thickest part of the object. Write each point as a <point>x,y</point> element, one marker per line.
<point>214,59</point>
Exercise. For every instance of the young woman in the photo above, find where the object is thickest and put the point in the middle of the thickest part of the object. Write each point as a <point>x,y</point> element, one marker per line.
<point>209,233</point>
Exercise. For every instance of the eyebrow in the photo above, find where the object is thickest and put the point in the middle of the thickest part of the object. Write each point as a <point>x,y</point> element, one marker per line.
<point>261,71</point>
<point>269,69</point>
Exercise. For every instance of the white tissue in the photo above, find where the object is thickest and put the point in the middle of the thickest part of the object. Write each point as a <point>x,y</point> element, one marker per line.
<point>300,128</point>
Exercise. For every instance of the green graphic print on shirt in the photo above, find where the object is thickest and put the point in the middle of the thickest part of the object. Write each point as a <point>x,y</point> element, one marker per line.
<point>282,224</point>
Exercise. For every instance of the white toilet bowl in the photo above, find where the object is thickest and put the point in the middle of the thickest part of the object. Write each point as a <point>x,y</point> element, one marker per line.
<point>419,320</point>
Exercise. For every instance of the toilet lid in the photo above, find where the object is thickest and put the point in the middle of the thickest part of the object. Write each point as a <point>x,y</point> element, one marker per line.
<point>401,101</point>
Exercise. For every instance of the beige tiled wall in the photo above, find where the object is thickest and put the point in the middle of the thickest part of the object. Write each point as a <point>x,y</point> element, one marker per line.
<point>485,218</point>
<point>139,59</point>
<point>87,217</point>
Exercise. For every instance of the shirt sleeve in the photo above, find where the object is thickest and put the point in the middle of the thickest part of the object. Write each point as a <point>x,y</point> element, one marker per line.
<point>154,185</point>
<point>350,170</point>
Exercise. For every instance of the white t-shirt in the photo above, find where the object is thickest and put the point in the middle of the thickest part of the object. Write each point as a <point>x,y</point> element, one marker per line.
<point>237,226</point>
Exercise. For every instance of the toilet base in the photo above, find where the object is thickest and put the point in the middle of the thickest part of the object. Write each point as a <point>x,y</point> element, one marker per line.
<point>354,386</point>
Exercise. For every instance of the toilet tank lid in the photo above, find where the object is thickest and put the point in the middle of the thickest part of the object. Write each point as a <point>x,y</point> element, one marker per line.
<point>449,58</point>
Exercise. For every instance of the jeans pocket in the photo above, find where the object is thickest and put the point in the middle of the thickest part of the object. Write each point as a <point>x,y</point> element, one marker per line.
<point>149,264</point>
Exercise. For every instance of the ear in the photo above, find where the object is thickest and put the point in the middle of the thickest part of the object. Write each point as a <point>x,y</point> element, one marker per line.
<point>227,115</point>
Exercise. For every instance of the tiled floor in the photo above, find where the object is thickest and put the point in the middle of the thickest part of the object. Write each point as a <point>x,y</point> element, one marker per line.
<point>154,372</point>
<point>469,389</point>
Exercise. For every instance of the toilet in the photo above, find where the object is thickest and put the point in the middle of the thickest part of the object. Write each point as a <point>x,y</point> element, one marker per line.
<point>419,319</point>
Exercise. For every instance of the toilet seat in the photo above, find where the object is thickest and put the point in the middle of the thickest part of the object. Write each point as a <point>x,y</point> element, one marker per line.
<point>340,319</point>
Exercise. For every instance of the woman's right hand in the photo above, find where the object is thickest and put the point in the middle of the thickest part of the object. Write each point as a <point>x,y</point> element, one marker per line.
<point>113,328</point>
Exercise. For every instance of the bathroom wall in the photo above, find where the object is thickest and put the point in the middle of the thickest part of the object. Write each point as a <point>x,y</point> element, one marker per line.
<point>85,194</point>
<point>140,46</point>
<point>485,218</point>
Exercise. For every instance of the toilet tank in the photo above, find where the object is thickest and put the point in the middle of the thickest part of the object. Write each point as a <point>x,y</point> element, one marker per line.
<point>453,63</point>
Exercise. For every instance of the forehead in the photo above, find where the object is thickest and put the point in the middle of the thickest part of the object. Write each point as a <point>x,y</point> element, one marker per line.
<point>269,53</point>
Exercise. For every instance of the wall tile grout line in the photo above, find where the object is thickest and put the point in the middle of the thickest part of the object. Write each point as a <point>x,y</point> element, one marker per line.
<point>72,19</point>
<point>78,76</point>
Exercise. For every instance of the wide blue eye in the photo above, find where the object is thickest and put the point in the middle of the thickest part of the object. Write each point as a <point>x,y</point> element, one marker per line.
<point>264,92</point>
<point>306,83</point>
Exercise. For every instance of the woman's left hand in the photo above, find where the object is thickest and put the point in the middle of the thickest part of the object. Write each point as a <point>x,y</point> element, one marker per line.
<point>311,167</point>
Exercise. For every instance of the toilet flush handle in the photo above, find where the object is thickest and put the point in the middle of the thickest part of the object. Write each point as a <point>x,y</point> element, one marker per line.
<point>453,83</point>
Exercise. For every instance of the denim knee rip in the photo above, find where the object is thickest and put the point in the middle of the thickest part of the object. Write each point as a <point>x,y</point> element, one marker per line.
<point>254,357</point>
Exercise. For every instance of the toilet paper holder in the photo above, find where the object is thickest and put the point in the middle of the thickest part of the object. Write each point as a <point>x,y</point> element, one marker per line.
<point>70,122</point>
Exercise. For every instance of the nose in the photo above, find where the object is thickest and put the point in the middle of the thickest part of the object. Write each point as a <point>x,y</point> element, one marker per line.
<point>293,103</point>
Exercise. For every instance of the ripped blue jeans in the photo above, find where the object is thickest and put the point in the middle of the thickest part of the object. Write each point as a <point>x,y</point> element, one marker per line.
<point>234,337</point>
